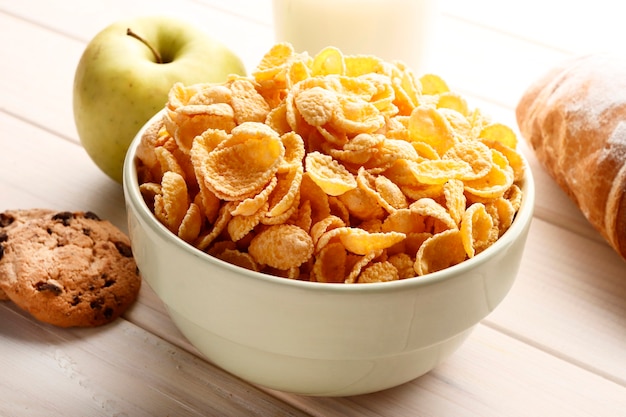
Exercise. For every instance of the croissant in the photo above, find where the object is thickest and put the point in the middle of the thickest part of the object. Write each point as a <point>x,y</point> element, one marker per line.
<point>574,118</point>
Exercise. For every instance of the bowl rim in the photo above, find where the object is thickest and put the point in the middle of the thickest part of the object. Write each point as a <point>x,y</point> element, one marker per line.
<point>134,198</point>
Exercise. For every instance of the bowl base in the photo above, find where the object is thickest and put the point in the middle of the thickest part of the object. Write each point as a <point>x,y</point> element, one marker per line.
<point>315,376</point>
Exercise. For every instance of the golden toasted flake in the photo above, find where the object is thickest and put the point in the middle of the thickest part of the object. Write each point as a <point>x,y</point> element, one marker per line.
<point>175,200</point>
<point>236,257</point>
<point>359,263</point>
<point>252,205</point>
<point>328,174</point>
<point>428,125</point>
<point>242,165</point>
<point>477,229</point>
<point>330,264</point>
<point>455,200</point>
<point>247,104</point>
<point>281,246</point>
<point>191,225</point>
<point>383,271</point>
<point>240,225</point>
<point>440,251</point>
<point>328,61</point>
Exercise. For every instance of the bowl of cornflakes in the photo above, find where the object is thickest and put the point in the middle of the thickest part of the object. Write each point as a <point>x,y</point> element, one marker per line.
<point>329,225</point>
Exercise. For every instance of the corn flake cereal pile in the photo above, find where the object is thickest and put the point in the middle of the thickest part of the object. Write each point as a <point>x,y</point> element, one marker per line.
<point>332,168</point>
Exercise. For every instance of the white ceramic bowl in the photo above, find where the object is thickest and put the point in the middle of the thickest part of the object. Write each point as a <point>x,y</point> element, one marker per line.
<point>316,338</point>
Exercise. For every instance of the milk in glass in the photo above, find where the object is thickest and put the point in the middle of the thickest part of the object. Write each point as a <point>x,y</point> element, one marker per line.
<point>390,29</point>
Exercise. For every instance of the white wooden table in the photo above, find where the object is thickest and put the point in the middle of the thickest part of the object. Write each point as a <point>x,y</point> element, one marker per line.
<point>555,347</point>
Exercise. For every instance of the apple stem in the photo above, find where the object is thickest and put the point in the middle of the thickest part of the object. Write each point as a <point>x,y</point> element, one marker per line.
<point>156,54</point>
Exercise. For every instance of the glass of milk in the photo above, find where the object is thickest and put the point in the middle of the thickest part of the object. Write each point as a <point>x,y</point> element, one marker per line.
<point>390,29</point>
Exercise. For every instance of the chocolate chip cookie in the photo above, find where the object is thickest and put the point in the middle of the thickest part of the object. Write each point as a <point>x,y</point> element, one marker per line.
<point>66,268</point>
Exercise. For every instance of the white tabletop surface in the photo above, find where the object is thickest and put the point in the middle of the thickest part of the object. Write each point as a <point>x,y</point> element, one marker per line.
<point>556,346</point>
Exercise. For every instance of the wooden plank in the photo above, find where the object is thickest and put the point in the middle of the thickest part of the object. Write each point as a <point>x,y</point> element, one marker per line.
<point>491,375</point>
<point>559,24</point>
<point>569,299</point>
<point>118,369</point>
<point>39,169</point>
<point>37,76</point>
<point>150,314</point>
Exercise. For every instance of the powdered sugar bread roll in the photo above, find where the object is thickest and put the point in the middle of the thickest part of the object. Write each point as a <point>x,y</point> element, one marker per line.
<point>574,117</point>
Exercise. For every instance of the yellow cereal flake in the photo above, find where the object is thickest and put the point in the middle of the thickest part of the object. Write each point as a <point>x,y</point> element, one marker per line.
<point>454,101</point>
<point>359,263</point>
<point>361,204</point>
<point>477,155</point>
<point>498,132</point>
<point>247,104</point>
<point>175,200</point>
<point>191,225</point>
<point>433,84</point>
<point>240,225</point>
<point>361,242</point>
<point>236,257</point>
<point>240,167</point>
<point>428,125</point>
<point>383,271</point>
<point>403,264</point>
<point>329,60</point>
<point>330,264</point>
<point>223,217</point>
<point>287,191</point>
<point>440,251</point>
<point>453,192</point>
<point>294,152</point>
<point>388,195</point>
<point>477,229</point>
<point>252,205</point>
<point>357,65</point>
<point>332,177</point>
<point>329,223</point>
<point>317,106</point>
<point>437,217</point>
<point>440,171</point>
<point>281,246</point>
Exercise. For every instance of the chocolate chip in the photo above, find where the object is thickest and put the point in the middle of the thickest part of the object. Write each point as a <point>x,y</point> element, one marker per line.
<point>1,251</point>
<point>86,231</point>
<point>107,281</point>
<point>75,301</point>
<point>3,236</point>
<point>64,217</point>
<point>6,219</point>
<point>108,313</point>
<point>96,304</point>
<point>91,215</point>
<point>124,249</point>
<point>49,286</point>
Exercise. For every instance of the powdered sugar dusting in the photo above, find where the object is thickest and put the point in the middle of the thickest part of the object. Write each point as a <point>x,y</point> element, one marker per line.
<point>603,84</point>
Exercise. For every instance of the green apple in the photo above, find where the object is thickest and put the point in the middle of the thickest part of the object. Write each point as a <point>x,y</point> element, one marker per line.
<point>125,74</point>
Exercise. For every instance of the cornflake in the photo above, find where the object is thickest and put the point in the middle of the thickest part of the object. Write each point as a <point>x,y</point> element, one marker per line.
<point>331,168</point>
